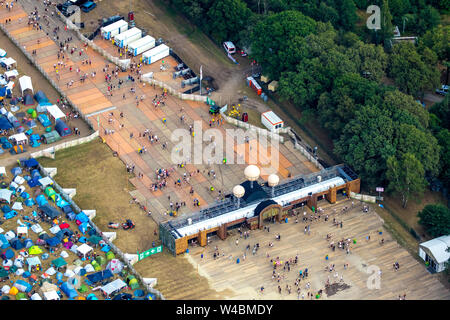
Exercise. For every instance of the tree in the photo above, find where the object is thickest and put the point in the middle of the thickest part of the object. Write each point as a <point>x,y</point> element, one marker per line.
<point>405,109</point>
<point>405,176</point>
<point>410,73</point>
<point>428,18</point>
<point>226,19</point>
<point>371,60</point>
<point>347,14</point>
<point>387,29</point>
<point>435,218</point>
<point>438,40</point>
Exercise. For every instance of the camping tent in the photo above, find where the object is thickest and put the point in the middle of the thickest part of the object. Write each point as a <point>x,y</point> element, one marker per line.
<point>5,195</point>
<point>84,249</point>
<point>69,290</point>
<point>49,211</point>
<point>11,74</point>
<point>41,97</point>
<point>55,112</point>
<point>33,262</point>
<point>100,276</point>
<point>51,137</point>
<point>113,287</point>
<point>52,242</point>
<point>34,250</point>
<point>132,282</point>
<point>28,100</point>
<point>7,62</point>
<point>62,128</point>
<point>46,181</point>
<point>23,286</point>
<point>59,262</point>
<point>25,83</point>
<point>19,138</point>
<point>31,163</point>
<point>115,266</point>
<point>51,295</point>
<point>5,124</point>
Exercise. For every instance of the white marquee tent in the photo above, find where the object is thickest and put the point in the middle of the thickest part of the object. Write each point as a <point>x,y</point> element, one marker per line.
<point>25,83</point>
<point>55,112</point>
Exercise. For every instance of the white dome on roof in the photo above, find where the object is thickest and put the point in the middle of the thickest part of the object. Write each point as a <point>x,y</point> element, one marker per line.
<point>252,172</point>
<point>238,191</point>
<point>273,180</point>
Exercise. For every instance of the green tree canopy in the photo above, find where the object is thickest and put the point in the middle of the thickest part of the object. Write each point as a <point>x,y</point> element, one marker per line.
<point>435,218</point>
<point>405,176</point>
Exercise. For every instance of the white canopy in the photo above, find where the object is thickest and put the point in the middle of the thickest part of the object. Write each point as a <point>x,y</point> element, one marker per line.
<point>438,248</point>
<point>36,296</point>
<point>8,61</point>
<point>19,180</point>
<point>55,112</point>
<point>45,181</point>
<point>12,73</point>
<point>3,171</point>
<point>84,249</point>
<point>22,230</point>
<point>17,206</point>
<point>113,286</point>
<point>25,83</point>
<point>19,137</point>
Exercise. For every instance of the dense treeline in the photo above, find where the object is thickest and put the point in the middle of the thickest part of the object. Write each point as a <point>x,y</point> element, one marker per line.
<point>326,67</point>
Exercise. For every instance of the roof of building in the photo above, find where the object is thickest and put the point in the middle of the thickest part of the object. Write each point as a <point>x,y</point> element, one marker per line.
<point>438,248</point>
<point>264,204</point>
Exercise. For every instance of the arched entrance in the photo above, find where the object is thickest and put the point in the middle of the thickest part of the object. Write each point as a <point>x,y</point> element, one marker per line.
<point>268,210</point>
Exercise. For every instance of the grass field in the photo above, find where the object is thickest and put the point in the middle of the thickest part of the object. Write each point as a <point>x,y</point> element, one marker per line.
<point>102,184</point>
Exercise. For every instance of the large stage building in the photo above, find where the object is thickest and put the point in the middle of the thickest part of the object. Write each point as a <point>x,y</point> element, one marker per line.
<point>253,204</point>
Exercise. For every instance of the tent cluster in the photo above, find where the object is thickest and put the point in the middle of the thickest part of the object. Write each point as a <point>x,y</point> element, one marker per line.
<point>21,125</point>
<point>49,252</point>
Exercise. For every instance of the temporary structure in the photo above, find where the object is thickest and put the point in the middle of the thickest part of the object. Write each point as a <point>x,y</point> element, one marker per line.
<point>11,74</point>
<point>55,112</point>
<point>84,249</point>
<point>62,128</point>
<point>113,287</point>
<point>25,83</point>
<point>435,252</point>
<point>19,138</point>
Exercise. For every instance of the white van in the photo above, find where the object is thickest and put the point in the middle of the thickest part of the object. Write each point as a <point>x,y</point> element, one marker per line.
<point>229,47</point>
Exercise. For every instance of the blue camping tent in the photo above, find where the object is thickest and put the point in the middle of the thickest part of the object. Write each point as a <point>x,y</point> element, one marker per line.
<point>30,163</point>
<point>91,296</point>
<point>62,128</point>
<point>28,100</point>
<point>83,227</point>
<point>41,97</point>
<point>29,202</point>
<point>40,199</point>
<point>61,202</point>
<point>64,233</point>
<point>16,171</point>
<point>25,195</point>
<point>23,285</point>
<point>67,209</point>
<point>4,243</point>
<point>69,290</point>
<point>52,242</point>
<point>82,217</point>
<point>16,244</point>
<point>9,254</point>
<point>100,276</point>
<point>10,215</point>
<point>34,182</point>
<point>5,124</point>
<point>6,208</point>
<point>70,216</point>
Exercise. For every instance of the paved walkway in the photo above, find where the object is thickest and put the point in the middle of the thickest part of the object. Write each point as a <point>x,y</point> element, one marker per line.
<point>245,279</point>
<point>91,97</point>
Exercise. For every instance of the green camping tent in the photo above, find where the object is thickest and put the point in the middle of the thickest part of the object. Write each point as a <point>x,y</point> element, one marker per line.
<point>100,260</point>
<point>21,295</point>
<point>96,266</point>
<point>30,110</point>
<point>49,191</point>
<point>132,282</point>
<point>3,273</point>
<point>58,263</point>
<point>83,288</point>
<point>110,255</point>
<point>94,239</point>
<point>34,250</point>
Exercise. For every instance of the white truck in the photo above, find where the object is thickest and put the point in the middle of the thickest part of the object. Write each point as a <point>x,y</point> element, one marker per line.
<point>123,39</point>
<point>155,54</point>
<point>141,45</point>
<point>114,29</point>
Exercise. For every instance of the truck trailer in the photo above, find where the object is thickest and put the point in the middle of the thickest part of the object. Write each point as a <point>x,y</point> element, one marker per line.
<point>141,45</point>
<point>155,54</point>
<point>251,82</point>
<point>123,39</point>
<point>114,29</point>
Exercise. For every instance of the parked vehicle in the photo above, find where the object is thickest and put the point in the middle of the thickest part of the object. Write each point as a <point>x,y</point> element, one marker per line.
<point>88,6</point>
<point>443,91</point>
<point>229,47</point>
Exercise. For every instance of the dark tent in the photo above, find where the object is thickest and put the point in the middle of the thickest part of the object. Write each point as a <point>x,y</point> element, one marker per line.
<point>28,100</point>
<point>49,211</point>
<point>9,254</point>
<point>33,182</point>
<point>53,241</point>
<point>44,236</point>
<point>100,276</point>
<point>41,97</point>
<point>5,124</point>
<point>31,163</point>
<point>67,209</point>
<point>14,101</point>
<point>62,128</point>
<point>64,233</point>
<point>16,244</point>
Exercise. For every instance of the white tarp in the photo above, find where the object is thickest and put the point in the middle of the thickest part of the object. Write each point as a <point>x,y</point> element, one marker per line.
<point>25,83</point>
<point>45,181</point>
<point>11,73</point>
<point>17,206</point>
<point>19,180</point>
<point>36,228</point>
<point>22,230</point>
<point>55,112</point>
<point>19,138</point>
<point>55,229</point>
<point>5,195</point>
<point>113,286</point>
<point>51,295</point>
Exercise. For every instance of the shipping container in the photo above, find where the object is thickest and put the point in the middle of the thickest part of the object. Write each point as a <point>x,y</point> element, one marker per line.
<point>141,45</point>
<point>114,29</point>
<point>155,54</point>
<point>124,38</point>
<point>271,121</point>
<point>251,82</point>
